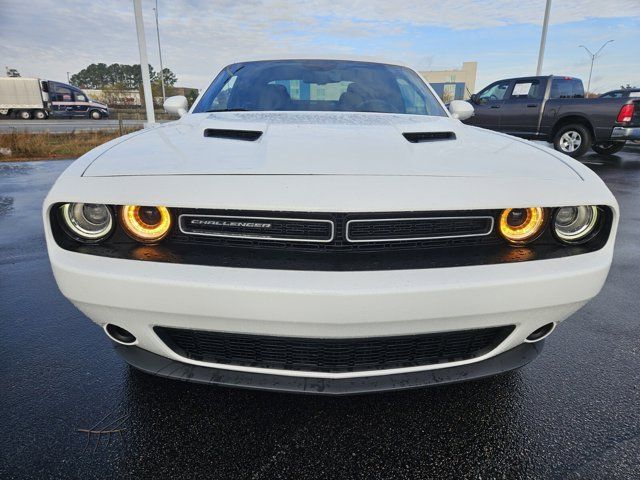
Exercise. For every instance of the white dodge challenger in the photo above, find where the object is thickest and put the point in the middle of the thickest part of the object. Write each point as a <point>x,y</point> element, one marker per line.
<point>327,226</point>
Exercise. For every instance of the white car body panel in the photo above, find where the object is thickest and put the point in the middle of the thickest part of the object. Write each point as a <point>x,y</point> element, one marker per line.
<point>327,304</point>
<point>295,143</point>
<point>308,192</point>
<point>326,162</point>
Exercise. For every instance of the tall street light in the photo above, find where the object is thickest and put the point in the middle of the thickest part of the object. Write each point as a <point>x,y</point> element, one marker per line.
<point>543,37</point>
<point>160,53</point>
<point>144,62</point>
<point>593,58</point>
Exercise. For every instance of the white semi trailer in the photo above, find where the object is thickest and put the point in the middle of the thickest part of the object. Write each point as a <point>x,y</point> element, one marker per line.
<point>24,97</point>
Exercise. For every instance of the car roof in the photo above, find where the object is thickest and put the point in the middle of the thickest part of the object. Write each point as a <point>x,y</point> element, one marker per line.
<point>623,90</point>
<point>529,77</point>
<point>342,57</point>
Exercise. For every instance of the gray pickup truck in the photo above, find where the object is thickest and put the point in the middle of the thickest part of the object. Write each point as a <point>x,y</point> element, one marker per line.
<point>554,109</point>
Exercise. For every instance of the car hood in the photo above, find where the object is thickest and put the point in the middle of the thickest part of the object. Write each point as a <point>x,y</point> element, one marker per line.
<point>325,143</point>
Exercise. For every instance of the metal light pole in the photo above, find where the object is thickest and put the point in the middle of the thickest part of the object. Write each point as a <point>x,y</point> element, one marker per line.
<point>593,58</point>
<point>144,62</point>
<point>68,78</point>
<point>543,38</point>
<point>160,53</point>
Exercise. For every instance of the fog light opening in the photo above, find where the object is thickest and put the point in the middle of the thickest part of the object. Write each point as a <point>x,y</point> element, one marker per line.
<point>541,333</point>
<point>120,335</point>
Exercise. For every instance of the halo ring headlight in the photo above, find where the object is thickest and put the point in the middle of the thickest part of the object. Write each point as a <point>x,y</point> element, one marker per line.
<point>87,222</point>
<point>575,224</point>
<point>145,224</point>
<point>520,226</point>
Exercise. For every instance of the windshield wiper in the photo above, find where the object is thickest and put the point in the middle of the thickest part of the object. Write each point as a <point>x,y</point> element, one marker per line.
<point>230,110</point>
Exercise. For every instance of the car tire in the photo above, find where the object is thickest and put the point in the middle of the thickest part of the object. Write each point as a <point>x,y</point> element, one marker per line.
<point>573,140</point>
<point>40,115</point>
<point>95,115</point>
<point>24,114</point>
<point>608,148</point>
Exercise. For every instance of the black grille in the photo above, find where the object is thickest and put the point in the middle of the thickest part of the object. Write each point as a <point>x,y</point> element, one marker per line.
<point>418,228</point>
<point>465,230</point>
<point>265,228</point>
<point>332,355</point>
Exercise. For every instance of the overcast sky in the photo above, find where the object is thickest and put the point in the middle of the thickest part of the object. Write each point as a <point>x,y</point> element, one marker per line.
<point>49,38</point>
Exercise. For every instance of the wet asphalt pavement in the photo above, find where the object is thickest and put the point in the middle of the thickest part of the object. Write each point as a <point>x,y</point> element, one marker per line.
<point>573,413</point>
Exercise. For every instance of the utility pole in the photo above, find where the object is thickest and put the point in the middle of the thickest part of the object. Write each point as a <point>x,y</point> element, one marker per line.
<point>593,59</point>
<point>160,54</point>
<point>543,38</point>
<point>68,78</point>
<point>144,62</point>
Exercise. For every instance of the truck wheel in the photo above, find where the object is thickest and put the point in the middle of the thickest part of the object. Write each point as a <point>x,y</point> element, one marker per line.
<point>573,140</point>
<point>24,114</point>
<point>96,115</point>
<point>40,114</point>
<point>608,148</point>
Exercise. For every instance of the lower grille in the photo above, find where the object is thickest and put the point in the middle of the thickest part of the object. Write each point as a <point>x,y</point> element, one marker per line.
<point>332,355</point>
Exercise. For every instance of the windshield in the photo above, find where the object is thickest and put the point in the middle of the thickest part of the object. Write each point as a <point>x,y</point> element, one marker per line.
<point>319,85</point>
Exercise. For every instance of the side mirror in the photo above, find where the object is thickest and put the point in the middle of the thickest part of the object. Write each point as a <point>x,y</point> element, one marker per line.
<point>474,98</point>
<point>461,110</point>
<point>177,105</point>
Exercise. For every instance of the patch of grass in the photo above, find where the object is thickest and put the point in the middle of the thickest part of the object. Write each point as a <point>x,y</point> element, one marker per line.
<point>45,145</point>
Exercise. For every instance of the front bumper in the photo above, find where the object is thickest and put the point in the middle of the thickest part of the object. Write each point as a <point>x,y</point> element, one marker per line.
<point>625,133</point>
<point>164,367</point>
<point>138,295</point>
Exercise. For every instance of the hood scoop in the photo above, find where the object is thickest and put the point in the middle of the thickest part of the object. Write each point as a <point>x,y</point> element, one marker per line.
<point>421,137</point>
<point>246,135</point>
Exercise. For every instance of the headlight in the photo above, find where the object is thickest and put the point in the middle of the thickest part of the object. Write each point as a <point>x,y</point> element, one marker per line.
<point>575,224</point>
<point>88,222</point>
<point>522,225</point>
<point>145,224</point>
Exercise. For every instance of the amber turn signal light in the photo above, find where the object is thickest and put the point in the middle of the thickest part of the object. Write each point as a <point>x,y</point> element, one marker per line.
<point>145,224</point>
<point>522,225</point>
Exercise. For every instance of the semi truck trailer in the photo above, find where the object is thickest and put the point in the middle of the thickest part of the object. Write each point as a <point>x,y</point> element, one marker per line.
<point>24,98</point>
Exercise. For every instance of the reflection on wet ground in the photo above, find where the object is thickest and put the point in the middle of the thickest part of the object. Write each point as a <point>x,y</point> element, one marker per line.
<point>6,205</point>
<point>23,187</point>
<point>8,169</point>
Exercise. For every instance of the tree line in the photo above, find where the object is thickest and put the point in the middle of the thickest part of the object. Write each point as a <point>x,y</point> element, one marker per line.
<point>118,76</point>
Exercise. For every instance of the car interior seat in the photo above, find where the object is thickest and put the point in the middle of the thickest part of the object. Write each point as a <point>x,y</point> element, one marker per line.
<point>274,97</point>
<point>352,97</point>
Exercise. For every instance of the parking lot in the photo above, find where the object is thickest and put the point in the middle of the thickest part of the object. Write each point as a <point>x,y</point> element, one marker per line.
<point>572,413</point>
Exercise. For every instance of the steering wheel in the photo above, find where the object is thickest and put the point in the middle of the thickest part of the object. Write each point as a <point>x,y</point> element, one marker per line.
<point>369,106</point>
<point>493,97</point>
